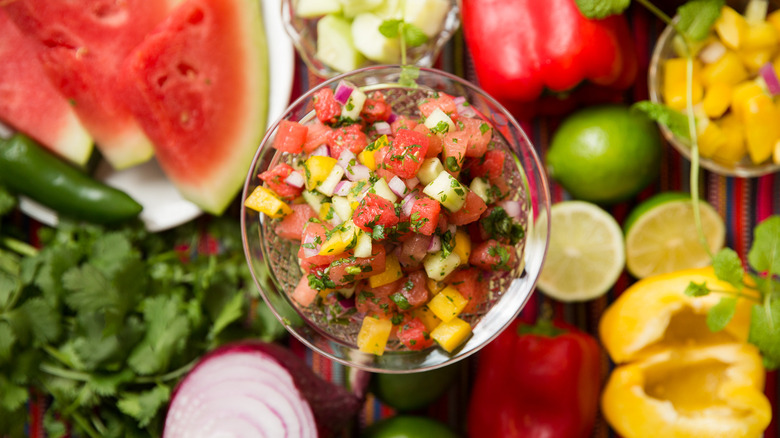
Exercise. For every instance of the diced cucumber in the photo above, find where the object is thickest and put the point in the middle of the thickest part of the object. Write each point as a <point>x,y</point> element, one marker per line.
<point>436,117</point>
<point>354,105</point>
<point>314,199</point>
<point>347,292</point>
<point>428,15</point>
<point>382,189</point>
<point>316,8</point>
<point>429,170</point>
<point>371,43</point>
<point>364,245</point>
<point>353,7</point>
<point>447,190</point>
<point>329,185</point>
<point>342,206</point>
<point>480,187</point>
<point>334,44</point>
<point>438,267</point>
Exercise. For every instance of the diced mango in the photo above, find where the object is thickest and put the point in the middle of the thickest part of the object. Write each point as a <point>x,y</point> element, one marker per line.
<point>266,202</point>
<point>760,35</point>
<point>316,170</point>
<point>447,304</point>
<point>776,154</point>
<point>734,147</point>
<point>434,286</point>
<point>675,90</point>
<point>451,334</point>
<point>368,155</point>
<point>710,138</point>
<point>731,27</point>
<point>427,317</point>
<point>391,273</point>
<point>340,240</point>
<point>753,60</point>
<point>762,127</point>
<point>717,99</point>
<point>373,335</point>
<point>462,246</point>
<point>774,19</point>
<point>741,95</point>
<point>726,70</point>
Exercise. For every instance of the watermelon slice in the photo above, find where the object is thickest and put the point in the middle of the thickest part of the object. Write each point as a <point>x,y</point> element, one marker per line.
<point>30,103</point>
<point>200,90</point>
<point>83,44</point>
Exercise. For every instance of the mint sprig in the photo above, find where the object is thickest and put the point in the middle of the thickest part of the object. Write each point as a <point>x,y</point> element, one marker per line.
<point>600,8</point>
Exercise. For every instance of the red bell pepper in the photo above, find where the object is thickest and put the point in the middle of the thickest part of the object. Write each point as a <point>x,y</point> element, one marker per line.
<point>543,384</point>
<point>523,49</point>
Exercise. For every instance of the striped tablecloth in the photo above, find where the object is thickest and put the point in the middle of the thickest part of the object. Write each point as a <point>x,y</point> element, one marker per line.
<point>741,202</point>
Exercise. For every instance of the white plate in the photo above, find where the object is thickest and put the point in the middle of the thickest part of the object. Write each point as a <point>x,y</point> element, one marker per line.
<point>164,208</point>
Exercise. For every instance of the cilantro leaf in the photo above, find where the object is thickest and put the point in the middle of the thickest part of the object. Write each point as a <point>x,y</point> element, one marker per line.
<point>230,312</point>
<point>697,290</point>
<point>108,384</point>
<point>413,35</point>
<point>166,326</point>
<point>697,17</point>
<point>90,290</point>
<point>7,339</point>
<point>764,255</point>
<point>36,317</point>
<point>728,267</point>
<point>12,396</point>
<point>674,120</point>
<point>111,252</point>
<point>601,8</point>
<point>765,331</point>
<point>144,406</point>
<point>721,314</point>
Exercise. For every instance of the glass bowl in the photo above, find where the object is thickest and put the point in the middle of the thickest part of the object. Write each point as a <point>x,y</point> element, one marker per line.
<point>664,50</point>
<point>275,259</point>
<point>303,32</point>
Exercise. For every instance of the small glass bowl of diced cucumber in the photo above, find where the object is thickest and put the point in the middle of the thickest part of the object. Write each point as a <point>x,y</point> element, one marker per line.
<point>318,283</point>
<point>735,89</point>
<point>337,36</point>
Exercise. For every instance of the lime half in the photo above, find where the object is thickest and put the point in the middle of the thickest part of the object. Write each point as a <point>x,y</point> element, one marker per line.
<point>661,235</point>
<point>586,254</point>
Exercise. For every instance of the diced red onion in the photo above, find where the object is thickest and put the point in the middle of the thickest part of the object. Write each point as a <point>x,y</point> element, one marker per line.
<point>358,172</point>
<point>397,185</point>
<point>295,179</point>
<point>342,188</point>
<point>406,207</point>
<point>343,91</point>
<point>412,182</point>
<point>435,244</point>
<point>452,228</point>
<point>322,150</point>
<point>463,108</point>
<point>409,198</point>
<point>769,75</point>
<point>347,159</point>
<point>458,99</point>
<point>712,52</point>
<point>392,118</point>
<point>307,243</point>
<point>512,208</point>
<point>383,128</point>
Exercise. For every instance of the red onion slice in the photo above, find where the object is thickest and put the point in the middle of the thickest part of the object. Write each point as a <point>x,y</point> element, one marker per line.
<point>342,188</point>
<point>295,179</point>
<point>412,182</point>
<point>347,159</point>
<point>383,128</point>
<point>343,91</point>
<point>407,207</point>
<point>322,151</point>
<point>463,108</point>
<point>392,118</point>
<point>435,244</point>
<point>769,75</point>
<point>398,187</point>
<point>358,172</point>
<point>307,243</point>
<point>512,208</point>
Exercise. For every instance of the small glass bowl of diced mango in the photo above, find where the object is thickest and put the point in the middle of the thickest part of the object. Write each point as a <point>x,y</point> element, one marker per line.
<point>734,89</point>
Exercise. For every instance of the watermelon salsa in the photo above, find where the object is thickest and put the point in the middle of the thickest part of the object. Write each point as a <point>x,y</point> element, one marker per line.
<point>400,218</point>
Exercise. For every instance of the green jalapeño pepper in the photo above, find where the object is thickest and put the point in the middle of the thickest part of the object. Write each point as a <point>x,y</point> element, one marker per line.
<point>28,169</point>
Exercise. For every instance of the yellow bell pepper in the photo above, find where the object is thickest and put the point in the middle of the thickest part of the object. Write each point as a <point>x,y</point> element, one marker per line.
<point>754,59</point>
<point>427,317</point>
<point>760,35</point>
<point>373,335</point>
<point>712,391</point>
<point>451,334</point>
<point>265,201</point>
<point>675,83</point>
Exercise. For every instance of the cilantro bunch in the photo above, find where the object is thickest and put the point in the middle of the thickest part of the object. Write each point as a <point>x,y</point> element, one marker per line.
<point>105,321</point>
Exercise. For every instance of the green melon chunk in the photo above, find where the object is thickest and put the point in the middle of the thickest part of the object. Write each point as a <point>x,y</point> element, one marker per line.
<point>316,8</point>
<point>428,15</point>
<point>334,44</point>
<point>371,43</point>
<point>354,7</point>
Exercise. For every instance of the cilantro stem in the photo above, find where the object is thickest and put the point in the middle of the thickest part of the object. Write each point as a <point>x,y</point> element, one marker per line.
<point>85,425</point>
<point>168,376</point>
<point>64,373</point>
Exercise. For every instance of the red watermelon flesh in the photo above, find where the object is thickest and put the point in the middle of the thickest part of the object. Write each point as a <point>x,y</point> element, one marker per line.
<point>200,83</point>
<point>30,103</point>
<point>83,43</point>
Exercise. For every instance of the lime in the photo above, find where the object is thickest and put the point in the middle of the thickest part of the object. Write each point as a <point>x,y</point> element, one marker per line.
<point>605,154</point>
<point>585,256</point>
<point>408,392</point>
<point>661,235</point>
<point>407,426</point>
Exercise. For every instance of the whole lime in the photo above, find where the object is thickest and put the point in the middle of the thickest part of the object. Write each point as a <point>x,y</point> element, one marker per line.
<point>408,426</point>
<point>408,392</point>
<point>605,154</point>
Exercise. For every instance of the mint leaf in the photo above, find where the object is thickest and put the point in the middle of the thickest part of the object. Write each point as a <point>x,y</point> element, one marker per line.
<point>721,314</point>
<point>765,332</point>
<point>764,255</point>
<point>413,35</point>
<point>601,8</point>
<point>697,17</point>
<point>674,120</point>
<point>697,290</point>
<point>728,267</point>
<point>390,28</point>
<point>144,406</point>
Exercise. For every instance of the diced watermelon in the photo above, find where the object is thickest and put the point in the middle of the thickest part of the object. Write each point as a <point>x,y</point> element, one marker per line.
<point>31,104</point>
<point>342,271</point>
<point>471,284</point>
<point>425,216</point>
<point>315,233</point>
<point>326,106</point>
<point>291,226</point>
<point>454,151</point>
<point>434,141</point>
<point>414,335</point>
<point>471,211</point>
<point>376,301</point>
<point>500,189</point>
<point>403,122</point>
<point>290,137</point>
<point>82,51</point>
<point>375,108</point>
<point>349,137</point>
<point>406,154</point>
<point>479,134</point>
<point>413,250</point>
<point>199,87</point>
<point>274,179</point>
<point>444,102</point>
<point>490,165</point>
<point>317,135</point>
<point>374,210</point>
<point>414,290</point>
<point>304,294</point>
<point>492,255</point>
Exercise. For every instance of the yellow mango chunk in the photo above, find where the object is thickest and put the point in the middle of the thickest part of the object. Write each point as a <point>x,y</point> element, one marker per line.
<point>675,90</point>
<point>451,334</point>
<point>734,147</point>
<point>447,304</point>
<point>717,99</point>
<point>762,127</point>
<point>391,273</point>
<point>741,95</point>
<point>462,246</point>
<point>710,139</point>
<point>754,59</point>
<point>340,240</point>
<point>427,317</point>
<point>368,155</point>
<point>774,19</point>
<point>266,202</point>
<point>316,170</point>
<point>373,335</point>
<point>731,27</point>
<point>726,70</point>
<point>760,35</point>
